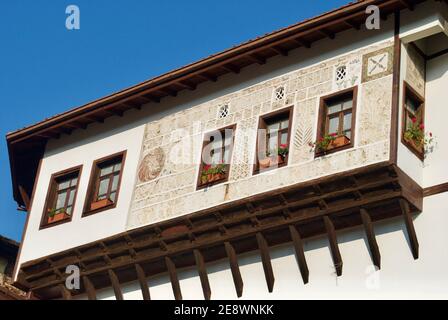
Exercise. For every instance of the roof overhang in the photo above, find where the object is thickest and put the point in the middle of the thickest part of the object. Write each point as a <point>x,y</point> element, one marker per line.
<point>26,146</point>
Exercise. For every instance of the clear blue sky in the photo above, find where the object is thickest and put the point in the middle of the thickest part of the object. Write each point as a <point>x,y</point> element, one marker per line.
<point>46,69</point>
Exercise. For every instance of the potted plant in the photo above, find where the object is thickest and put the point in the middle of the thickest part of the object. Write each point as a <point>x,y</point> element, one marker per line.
<point>100,204</point>
<point>282,152</point>
<point>211,174</point>
<point>55,215</point>
<point>339,141</point>
<point>219,172</point>
<point>415,135</point>
<point>324,143</point>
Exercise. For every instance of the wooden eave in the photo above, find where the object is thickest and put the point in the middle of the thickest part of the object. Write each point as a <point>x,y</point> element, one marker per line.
<point>26,146</point>
<point>358,198</point>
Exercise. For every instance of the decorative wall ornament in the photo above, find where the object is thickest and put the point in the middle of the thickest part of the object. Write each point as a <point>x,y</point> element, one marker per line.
<point>341,73</point>
<point>151,165</point>
<point>377,64</point>
<point>223,111</point>
<point>280,93</point>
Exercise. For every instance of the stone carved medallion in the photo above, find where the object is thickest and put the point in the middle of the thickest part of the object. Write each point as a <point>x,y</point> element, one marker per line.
<point>151,165</point>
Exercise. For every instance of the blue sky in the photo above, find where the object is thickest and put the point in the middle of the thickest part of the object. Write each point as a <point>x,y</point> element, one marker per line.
<point>46,69</point>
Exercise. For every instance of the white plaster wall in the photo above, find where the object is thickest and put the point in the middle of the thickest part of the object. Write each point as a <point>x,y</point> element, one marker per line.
<point>435,170</point>
<point>400,277</point>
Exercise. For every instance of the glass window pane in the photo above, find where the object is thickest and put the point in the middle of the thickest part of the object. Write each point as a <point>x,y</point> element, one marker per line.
<point>284,124</point>
<point>60,202</point>
<point>104,185</point>
<point>216,157</point>
<point>71,197</point>
<point>347,104</point>
<point>228,140</point>
<point>64,184</point>
<point>273,144</point>
<point>334,108</point>
<point>106,170</point>
<point>348,134</point>
<point>411,105</point>
<point>347,121</point>
<point>112,197</point>
<point>115,183</point>
<point>284,138</point>
<point>273,127</point>
<point>333,126</point>
<point>69,210</point>
<point>74,182</point>
<point>117,167</point>
<point>227,156</point>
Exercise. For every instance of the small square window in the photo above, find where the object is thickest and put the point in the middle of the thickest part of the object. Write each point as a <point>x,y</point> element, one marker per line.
<point>413,121</point>
<point>216,157</point>
<point>223,111</point>
<point>280,93</point>
<point>336,126</point>
<point>61,197</point>
<point>274,133</point>
<point>104,184</point>
<point>341,73</point>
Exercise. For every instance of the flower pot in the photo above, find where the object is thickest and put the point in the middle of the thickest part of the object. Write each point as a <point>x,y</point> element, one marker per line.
<point>204,180</point>
<point>339,142</point>
<point>280,160</point>
<point>58,217</point>
<point>417,146</point>
<point>264,163</point>
<point>100,204</point>
<point>218,176</point>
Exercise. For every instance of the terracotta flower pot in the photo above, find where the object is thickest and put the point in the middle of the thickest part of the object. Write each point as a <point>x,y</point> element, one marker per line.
<point>339,142</point>
<point>100,204</point>
<point>280,160</point>
<point>264,163</point>
<point>58,217</point>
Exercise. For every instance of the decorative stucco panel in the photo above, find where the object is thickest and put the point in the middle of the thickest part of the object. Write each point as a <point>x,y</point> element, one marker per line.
<point>171,150</point>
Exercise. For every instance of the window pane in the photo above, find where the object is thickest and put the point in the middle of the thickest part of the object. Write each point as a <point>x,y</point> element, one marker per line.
<point>115,183</point>
<point>347,121</point>
<point>64,184</point>
<point>347,104</point>
<point>106,170</point>
<point>284,138</point>
<point>227,156</point>
<point>71,197</point>
<point>273,144</point>
<point>60,202</point>
<point>117,167</point>
<point>333,126</point>
<point>69,210</point>
<point>412,105</point>
<point>74,182</point>
<point>273,127</point>
<point>334,108</point>
<point>284,124</point>
<point>348,134</point>
<point>104,185</point>
<point>112,196</point>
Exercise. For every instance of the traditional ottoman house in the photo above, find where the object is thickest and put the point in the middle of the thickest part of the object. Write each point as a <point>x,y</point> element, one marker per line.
<point>327,176</point>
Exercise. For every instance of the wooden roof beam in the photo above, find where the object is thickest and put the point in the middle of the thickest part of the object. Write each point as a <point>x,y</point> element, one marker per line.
<point>173,278</point>
<point>234,267</point>
<point>89,288</point>
<point>95,118</point>
<point>371,240</point>
<point>207,77</point>
<point>187,85</point>
<point>412,236</point>
<point>169,92</point>
<point>114,112</point>
<point>266,261</point>
<point>257,58</point>
<point>115,284</point>
<point>231,68</point>
<point>199,258</point>
<point>65,293</point>
<point>302,42</point>
<point>76,125</point>
<point>353,24</point>
<point>409,4</point>
<point>150,98</point>
<point>328,34</point>
<point>280,51</point>
<point>143,282</point>
<point>334,248</point>
<point>300,254</point>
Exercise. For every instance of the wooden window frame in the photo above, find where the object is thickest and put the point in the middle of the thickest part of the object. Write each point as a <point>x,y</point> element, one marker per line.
<point>51,193</point>
<point>408,90</point>
<point>92,190</point>
<point>263,118</point>
<point>323,118</point>
<point>200,186</point>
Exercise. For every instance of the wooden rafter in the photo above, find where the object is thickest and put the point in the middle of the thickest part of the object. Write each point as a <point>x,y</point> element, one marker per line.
<point>89,288</point>
<point>300,254</point>
<point>173,278</point>
<point>266,261</point>
<point>236,274</point>
<point>412,236</point>
<point>371,240</point>
<point>143,281</point>
<point>115,284</point>
<point>199,258</point>
<point>65,293</point>
<point>334,248</point>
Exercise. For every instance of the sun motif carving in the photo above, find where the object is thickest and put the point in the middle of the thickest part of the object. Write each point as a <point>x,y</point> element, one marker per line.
<point>151,165</point>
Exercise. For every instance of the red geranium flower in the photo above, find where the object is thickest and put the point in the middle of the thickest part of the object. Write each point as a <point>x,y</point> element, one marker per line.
<point>414,120</point>
<point>333,134</point>
<point>422,126</point>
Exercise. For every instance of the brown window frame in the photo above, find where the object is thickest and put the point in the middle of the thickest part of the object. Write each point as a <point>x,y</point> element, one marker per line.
<point>52,196</point>
<point>262,124</point>
<point>409,91</point>
<point>323,120</point>
<point>93,189</point>
<point>199,184</point>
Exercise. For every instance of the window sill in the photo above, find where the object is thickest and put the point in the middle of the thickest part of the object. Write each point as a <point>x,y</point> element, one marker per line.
<point>418,152</point>
<point>92,212</point>
<point>211,184</point>
<point>271,168</point>
<point>56,223</point>
<point>333,150</point>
